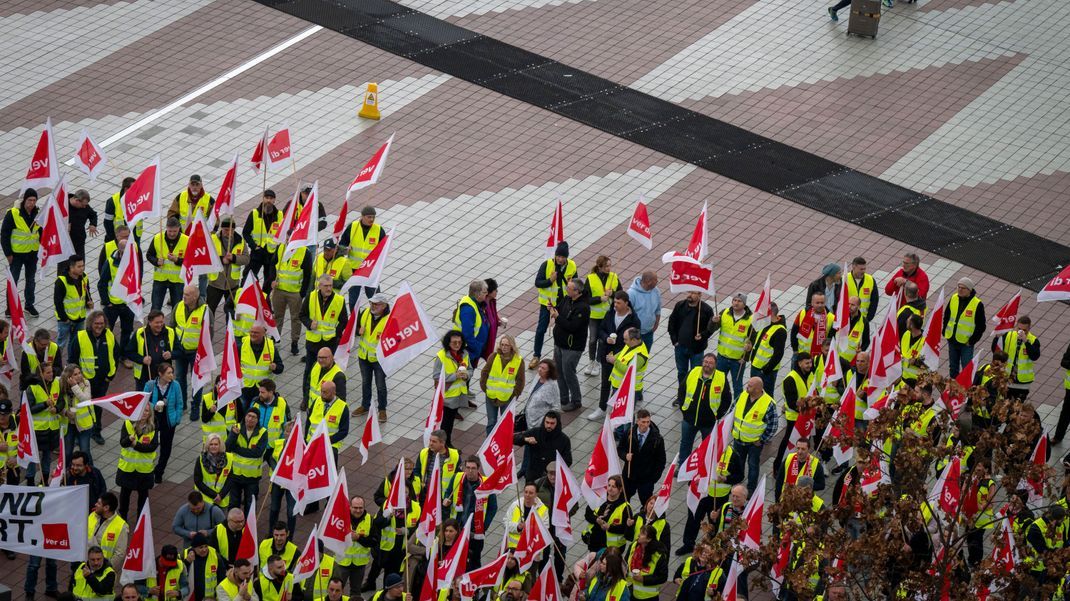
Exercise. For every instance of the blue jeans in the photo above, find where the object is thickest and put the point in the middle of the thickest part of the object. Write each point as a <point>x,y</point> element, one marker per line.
<point>172,290</point>
<point>493,413</point>
<point>67,332</point>
<point>688,431</point>
<point>768,381</point>
<point>182,361</point>
<point>540,329</point>
<point>82,439</point>
<point>958,356</point>
<point>648,339</point>
<point>734,369</point>
<point>685,362</point>
<point>753,453</point>
<point>34,565</point>
<point>368,370</point>
<point>46,464</point>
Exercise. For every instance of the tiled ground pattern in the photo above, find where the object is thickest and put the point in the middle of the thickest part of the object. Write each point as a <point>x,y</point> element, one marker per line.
<point>473,176</point>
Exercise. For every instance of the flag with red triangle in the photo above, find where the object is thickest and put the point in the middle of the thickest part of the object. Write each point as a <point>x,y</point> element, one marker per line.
<point>89,157</point>
<point>340,224</point>
<point>947,492</point>
<point>842,320</point>
<point>253,303</point>
<point>287,473</point>
<point>126,285</point>
<point>500,480</point>
<point>44,168</point>
<point>489,575</point>
<point>55,479</point>
<point>842,427</point>
<point>661,502</point>
<point>142,199</point>
<point>57,197</point>
<point>933,334</point>
<point>204,363</point>
<point>622,404</point>
<point>751,534</point>
<point>1056,289</point>
<point>140,559</point>
<point>534,538</point>
<point>249,545</point>
<point>258,158</point>
<point>316,471</point>
<point>397,499</point>
<point>334,529</point>
<point>308,562</point>
<point>697,247</point>
<point>557,230</point>
<point>229,386</point>
<point>803,428</point>
<point>564,500</point>
<point>201,257</point>
<point>370,270</point>
<point>304,228</point>
<point>763,309</point>
<point>691,277</point>
<point>546,587</point>
<point>124,405</point>
<point>431,510</point>
<point>780,565</point>
<point>345,341</point>
<point>408,332</point>
<point>27,451</point>
<point>957,400</point>
<point>370,172</point>
<point>19,326</point>
<point>603,464</point>
<point>731,585</point>
<point>639,226</point>
<point>56,244</point>
<point>436,410</point>
<point>1004,319</point>
<point>227,197</point>
<point>499,443</point>
<point>429,588</point>
<point>371,435</point>
<point>453,565</point>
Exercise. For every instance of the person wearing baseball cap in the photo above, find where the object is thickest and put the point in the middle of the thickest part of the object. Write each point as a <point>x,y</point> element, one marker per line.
<point>230,246</point>
<point>333,263</point>
<point>357,241</point>
<point>248,442</point>
<point>261,227</point>
<point>370,327</point>
<point>190,203</point>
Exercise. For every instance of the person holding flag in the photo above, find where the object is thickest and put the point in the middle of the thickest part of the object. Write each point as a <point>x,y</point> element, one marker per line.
<point>79,214</point>
<point>222,286</point>
<point>800,463</point>
<point>331,262</point>
<point>20,237</point>
<point>607,527</point>
<point>203,566</point>
<point>600,285</point>
<point>354,563</point>
<point>248,444</point>
<point>517,515</point>
<point>113,214</point>
<point>463,503</point>
<point>330,408</point>
<point>735,338</point>
<point>43,395</point>
<point>448,459</point>
<point>689,337</point>
<point>95,352</point>
<point>290,287</point>
<point>190,202</point>
<point>139,444</point>
<point>634,350</point>
<point>1023,351</point>
<point>642,450</point>
<point>452,361</point>
<point>259,359</point>
<point>356,242</point>
<point>187,321</point>
<point>260,232</point>
<point>648,565</point>
<point>151,346</point>
<point>324,317</point>
<point>166,253</point>
<point>964,325</point>
<point>274,414</point>
<point>768,351</point>
<point>392,526</point>
<point>370,328</point>
<point>707,398</point>
<point>116,309</point>
<point>542,444</point>
<point>812,326</point>
<point>321,218</point>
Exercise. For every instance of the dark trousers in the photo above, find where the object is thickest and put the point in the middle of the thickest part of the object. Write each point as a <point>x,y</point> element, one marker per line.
<point>277,494</point>
<point>261,260</point>
<point>783,447</point>
<point>753,453</point>
<point>685,362</point>
<point>370,370</point>
<point>33,567</point>
<point>694,521</point>
<point>124,500</point>
<point>841,4</point>
<point>975,546</point>
<point>1064,417</point>
<point>244,492</point>
<point>642,484</point>
<point>98,387</point>
<point>125,316</point>
<point>605,388</point>
<point>354,575</point>
<point>540,329</point>
<point>171,290</point>
<point>449,416</point>
<point>475,553</point>
<point>385,562</point>
<point>167,441</point>
<point>214,295</point>
<point>29,287</point>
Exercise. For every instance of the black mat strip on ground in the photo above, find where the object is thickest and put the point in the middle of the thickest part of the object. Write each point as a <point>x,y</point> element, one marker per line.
<point>1007,252</point>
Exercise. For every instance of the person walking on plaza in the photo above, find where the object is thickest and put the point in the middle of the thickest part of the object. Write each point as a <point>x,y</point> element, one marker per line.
<point>1023,351</point>
<point>689,337</point>
<point>259,360</point>
<point>646,302</point>
<point>247,443</point>
<point>292,284</point>
<point>139,442</point>
<point>611,341</point>
<point>502,378</point>
<point>41,351</point>
<point>370,328</point>
<point>230,247</point>
<point>47,408</point>
<point>601,283</point>
<point>735,335</point>
<point>188,319</point>
<point>72,300</point>
<point>755,424</point>
<point>261,227</point>
<point>20,237</point>
<point>707,398</point>
<point>357,242</point>
<point>325,370</point>
<point>79,215</point>
<point>333,263</point>
<point>470,320</point>
<point>196,516</point>
<point>571,317</point>
<point>324,317</point>
<point>167,401</point>
<point>166,253</point>
<point>641,449</point>
<point>550,280</point>
<point>796,384</point>
<point>857,332</point>
<point>151,346</point>
<point>95,352</point>
<point>964,325</point>
<point>116,309</point>
<point>190,203</point>
<point>108,530</point>
<point>113,214</point>
<point>911,271</point>
<point>768,351</point>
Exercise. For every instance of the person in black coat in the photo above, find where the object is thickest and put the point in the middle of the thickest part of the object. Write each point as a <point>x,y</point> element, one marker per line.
<point>612,327</point>
<point>688,340</point>
<point>642,451</point>
<point>828,284</point>
<point>544,442</point>
<point>571,316</point>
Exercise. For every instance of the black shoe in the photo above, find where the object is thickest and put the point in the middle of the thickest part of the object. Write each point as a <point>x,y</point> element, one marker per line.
<point>1057,440</point>
<point>293,349</point>
<point>97,438</point>
<point>368,586</point>
<point>52,594</point>
<point>571,407</point>
<point>10,554</point>
<point>684,551</point>
<point>157,478</point>
<point>32,311</point>
<point>28,596</point>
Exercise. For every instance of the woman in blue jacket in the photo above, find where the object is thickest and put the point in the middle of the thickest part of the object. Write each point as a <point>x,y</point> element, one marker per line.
<point>166,400</point>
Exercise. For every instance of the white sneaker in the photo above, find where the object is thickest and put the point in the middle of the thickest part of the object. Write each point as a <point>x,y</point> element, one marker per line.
<point>589,370</point>
<point>596,414</point>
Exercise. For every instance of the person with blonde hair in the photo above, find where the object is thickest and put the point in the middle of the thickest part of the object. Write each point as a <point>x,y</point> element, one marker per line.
<point>502,378</point>
<point>73,389</point>
<point>211,471</point>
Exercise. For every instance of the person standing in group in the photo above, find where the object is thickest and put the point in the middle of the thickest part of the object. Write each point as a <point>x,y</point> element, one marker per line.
<point>261,227</point>
<point>911,271</point>
<point>862,286</point>
<point>95,352</point>
<point>166,253</point>
<point>542,442</point>
<point>230,247</point>
<point>857,332</point>
<point>190,203</point>
<point>330,408</point>
<point>642,453</point>
<point>188,319</point>
<point>370,328</point>
<point>611,342</point>
<point>768,351</point>
<point>41,350</point>
<point>689,337</point>
<point>812,327</point>
<point>274,415</point>
<point>502,378</point>
<point>107,529</point>
<point>755,423</point>
<point>571,317</point>
<point>116,309</point>
<point>20,237</point>
<point>93,579</point>
<point>72,301</point>
<point>462,502</point>
<point>333,263</point>
<point>45,405</point>
<point>302,200</point>
<point>796,386</point>
<point>646,302</point>
<point>634,349</point>
<point>247,443</point>
<point>707,398</point>
<point>289,290</point>
<point>357,242</point>
<point>151,346</point>
<point>212,472</point>
<point>113,214</point>
<point>601,283</point>
<point>495,322</point>
<point>828,284</point>
<point>325,370</point>
<point>79,213</point>
<point>166,400</point>
<point>550,278</point>
<point>470,320</point>
<point>964,325</point>
<point>452,361</point>
<point>139,442</point>
<point>259,359</point>
<point>735,335</point>
<point>73,389</point>
<point>1023,351</point>
<point>912,304</point>
<point>324,316</point>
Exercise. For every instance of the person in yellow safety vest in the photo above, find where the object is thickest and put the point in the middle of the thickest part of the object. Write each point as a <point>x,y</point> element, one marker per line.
<point>238,582</point>
<point>728,473</point>
<point>72,300</point>
<point>188,321</point>
<point>1023,351</point>
<point>393,528</point>
<point>108,530</point>
<point>754,424</point>
<point>983,518</point>
<point>292,284</point>
<point>248,444</point>
<point>470,319</point>
<point>166,253</point>
<point>259,359</point>
<point>608,526</point>
<point>768,351</point>
<point>1043,539</point>
<point>202,566</point>
<point>735,338</point>
<point>150,346</point>
<point>95,352</point>
<point>48,419</point>
<point>115,308</point>
<point>324,316</point>
<point>113,213</point>
<point>261,228</point>
<point>278,545</point>
<point>413,484</point>
<point>41,350</point>
<point>862,286</point>
<point>857,332</point>
<point>93,579</point>
<point>369,329</point>
<point>985,377</point>
<point>274,413</point>
<point>77,421</point>
<point>323,584</point>
<point>139,447</point>
<point>612,583</point>
<point>913,304</point>
<point>325,370</point>
<point>964,325</point>
<point>647,517</point>
<point>812,327</point>
<point>452,360</point>
<point>328,407</point>
<point>857,375</point>
<point>212,471</point>
<point>688,333</point>
<point>550,277</point>
<point>213,420</point>
<point>449,460</point>
<point>796,385</point>
<point>925,425</point>
<point>352,565</point>
<point>191,203</point>
<point>517,514</point>
<point>911,345</point>
<point>502,378</point>
<point>170,581</point>
<point>357,242</point>
<point>233,254</point>
<point>601,283</point>
<point>394,589</point>
<point>648,565</point>
<point>798,464</point>
<point>20,236</point>
<point>331,262</point>
<point>634,348</point>
<point>461,502</point>
<point>227,536</point>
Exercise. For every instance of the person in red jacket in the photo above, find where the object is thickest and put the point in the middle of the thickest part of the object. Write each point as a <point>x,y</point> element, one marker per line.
<point>911,271</point>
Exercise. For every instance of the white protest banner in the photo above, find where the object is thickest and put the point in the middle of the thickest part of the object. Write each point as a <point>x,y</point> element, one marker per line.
<point>46,522</point>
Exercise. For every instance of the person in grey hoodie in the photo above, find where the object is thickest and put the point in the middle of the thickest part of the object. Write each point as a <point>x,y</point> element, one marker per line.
<point>646,302</point>
<point>195,516</point>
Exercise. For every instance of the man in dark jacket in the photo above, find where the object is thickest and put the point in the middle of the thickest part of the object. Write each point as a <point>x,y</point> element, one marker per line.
<point>688,339</point>
<point>642,450</point>
<point>707,399</point>
<point>828,284</point>
<point>571,315</point>
<point>81,472</point>
<point>545,442</point>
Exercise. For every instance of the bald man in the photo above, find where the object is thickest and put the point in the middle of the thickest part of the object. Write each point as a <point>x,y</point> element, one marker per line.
<point>259,359</point>
<point>328,407</point>
<point>755,423</point>
<point>187,320</point>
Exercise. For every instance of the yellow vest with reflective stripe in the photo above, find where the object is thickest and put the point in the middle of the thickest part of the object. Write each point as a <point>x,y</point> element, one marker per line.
<point>139,343</point>
<point>81,589</point>
<point>216,482</point>
<point>911,351</point>
<point>87,357</point>
<point>50,354</point>
<point>11,439</point>
<point>25,237</point>
<point>864,293</point>
<point>501,379</point>
<point>517,517</point>
<point>806,343</point>
<point>715,383</point>
<point>763,353</point>
<point>640,590</point>
<point>359,246</point>
<point>458,386</point>
<point>255,368</point>
<point>337,268</point>
<point>333,415</point>
<point>113,269</point>
<point>315,379</point>
<point>235,269</point>
<point>801,386</point>
<point>961,327</point>
<point>448,466</point>
<point>1017,357</point>
<point>598,290</point>
<point>276,419</point>
<point>136,462</point>
<point>268,591</point>
<point>45,420</point>
<point>120,218</point>
<point>718,489</point>
<point>732,335</point>
<point>168,272</point>
<point>356,553</point>
<point>187,212</point>
<point>211,569</point>
<point>548,295</point>
<point>322,577</point>
<point>264,234</point>
<point>854,340</point>
<point>74,297</point>
<point>370,340</point>
<point>288,272</point>
<point>265,550</point>
<point>109,537</point>
<point>624,357</point>
<point>478,323</point>
<point>616,593</point>
<point>861,404</point>
<point>749,424</point>
<point>220,421</point>
<point>188,325</point>
<point>170,582</point>
<point>248,467</point>
<point>326,321</point>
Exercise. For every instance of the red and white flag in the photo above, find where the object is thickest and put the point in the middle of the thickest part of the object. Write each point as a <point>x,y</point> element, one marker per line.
<point>1057,289</point>
<point>691,277</point>
<point>534,539</point>
<point>308,562</point>
<point>370,270</point>
<point>431,511</point>
<point>500,480</point>
<point>19,327</point>
<point>780,565</point>
<point>287,472</point>
<point>249,544</point>
<point>453,565</point>
<point>8,365</point>
<point>751,534</point>
<point>27,451</point>
<point>227,197</point>
<point>497,447</point>
<point>124,405</point>
<point>204,363</point>
<point>697,247</point>
<point>126,285</point>
<point>334,530</point>
<point>340,225</point>
<point>804,426</point>
<point>546,587</point>
<point>622,405</point>
<point>289,216</point>
<point>661,503</point>
<point>487,576</point>
<point>873,475</point>
<point>397,498</point>
<point>316,470</point>
<point>762,308</point>
<point>278,148</point>
<point>57,197</point>
<point>142,200</point>
<point>833,371</point>
<point>230,377</point>
<point>140,560</point>
<point>56,245</point>
<point>253,302</point>
<point>886,361</point>
<point>303,229</point>
<point>557,230</point>
<point>44,169</point>
<point>731,584</point>
<point>258,160</point>
<point>371,435</point>
<point>429,588</point>
<point>934,334</point>
<point>1039,457</point>
<point>842,320</point>
<point>1040,453</point>
<point>55,479</point>
<point>692,465</point>
<point>1004,560</point>
<point>947,492</point>
<point>956,401</point>
<point>877,403</point>
<point>603,464</point>
<point>639,226</point>
<point>407,333</point>
<point>842,427</point>
<point>437,409</point>
<point>1007,316</point>
<point>201,257</point>
<point>348,337</point>
<point>89,157</point>
<point>565,499</point>
<point>370,172</point>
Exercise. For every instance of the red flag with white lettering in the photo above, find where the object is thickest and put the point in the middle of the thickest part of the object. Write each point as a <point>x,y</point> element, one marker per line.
<point>489,575</point>
<point>126,285</point>
<point>1007,316</point>
<point>201,257</point>
<point>345,341</point>
<point>557,230</point>
<point>842,427</point>
<point>19,327</point>
<point>622,405</point>
<point>89,157</point>
<point>303,230</point>
<point>457,557</point>
<point>429,588</point>
<point>27,451</point>
<point>369,436</point>
<point>308,562</point>
<point>947,492</point>
<point>407,333</point>
<point>334,530</point>
<point>500,480</point>
<point>55,479</point>
<point>934,334</point>
<point>1056,289</point>
<point>140,560</point>
<point>249,544</point>
<point>370,270</point>
<point>370,172</point>
<point>534,538</point>
<point>751,534</point>
<point>258,158</point>
<point>661,503</point>
<point>287,472</point>
<point>56,245</point>
<point>603,464</point>
<point>564,500</point>
<point>639,226</point>
<point>124,405</point>
<point>697,247</point>
<point>546,587</point>
<point>431,511</point>
<point>57,197</point>
<point>317,469</point>
<point>278,148</point>
<point>499,443</point>
<point>230,377</point>
<point>44,168</point>
<point>142,200</point>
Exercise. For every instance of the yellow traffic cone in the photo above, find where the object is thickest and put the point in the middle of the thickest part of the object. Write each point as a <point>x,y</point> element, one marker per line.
<point>370,108</point>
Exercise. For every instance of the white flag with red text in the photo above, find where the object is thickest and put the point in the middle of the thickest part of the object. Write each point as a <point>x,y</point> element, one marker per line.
<point>44,168</point>
<point>751,534</point>
<point>1056,289</point>
<point>370,270</point>
<point>308,562</point>
<point>249,543</point>
<point>56,245</point>
<point>661,503</point>
<point>639,226</point>
<point>278,148</point>
<point>201,257</point>
<point>622,404</point>
<point>287,474</point>
<point>397,499</point>
<point>228,195</point>
<point>230,377</point>
<point>126,285</point>
<point>124,405</point>
<point>408,332</point>
<point>933,334</point>
<point>140,560</point>
<point>499,443</point>
<point>142,200</point>
<point>334,529</point>
<point>370,172</point>
<point>603,464</point>
<point>303,229</point>
<point>253,303</point>
<point>89,157</point>
<point>431,511</point>
<point>697,247</point>
<point>316,471</point>
<point>204,363</point>
<point>762,308</point>
<point>371,435</point>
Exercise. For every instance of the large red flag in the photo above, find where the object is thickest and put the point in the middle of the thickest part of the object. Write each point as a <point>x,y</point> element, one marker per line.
<point>227,197</point>
<point>457,558</point>
<point>622,404</point>
<point>58,197</point>
<point>89,157</point>
<point>370,172</point>
<point>947,492</point>
<point>44,169</point>
<point>565,487</point>
<point>334,530</point>
<point>489,575</point>
<point>639,226</point>
<point>19,327</point>
<point>278,148</point>
<point>249,544</point>
<point>842,427</point>
<point>407,333</point>
<point>534,538</point>
<point>142,200</point>
<point>956,401</point>
<point>429,588</point>
<point>253,302</point>
<point>140,560</point>
<point>691,277</point>
<point>603,464</point>
<point>431,511</point>
<point>340,225</point>
<point>56,245</point>
<point>27,451</point>
<point>201,257</point>
<point>287,473</point>
<point>1004,319</point>
<point>697,247</point>
<point>546,587</point>
<point>557,230</point>
<point>369,436</point>
<point>303,232</point>
<point>230,377</point>
<point>751,534</point>
<point>934,334</point>
<point>500,480</point>
<point>126,285</point>
<point>499,443</point>
<point>124,405</point>
<point>308,562</point>
<point>1056,289</point>
<point>316,471</point>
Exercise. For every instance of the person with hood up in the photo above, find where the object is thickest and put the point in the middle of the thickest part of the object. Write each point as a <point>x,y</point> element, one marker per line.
<point>646,302</point>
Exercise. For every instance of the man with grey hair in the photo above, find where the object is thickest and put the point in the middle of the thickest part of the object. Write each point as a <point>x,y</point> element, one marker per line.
<point>964,325</point>
<point>911,271</point>
<point>571,316</point>
<point>646,302</point>
<point>79,213</point>
<point>470,319</point>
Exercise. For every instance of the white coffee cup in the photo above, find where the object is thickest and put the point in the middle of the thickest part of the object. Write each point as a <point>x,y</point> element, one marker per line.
<point>613,338</point>
<point>160,405</point>
<point>503,321</point>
